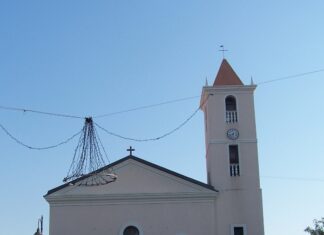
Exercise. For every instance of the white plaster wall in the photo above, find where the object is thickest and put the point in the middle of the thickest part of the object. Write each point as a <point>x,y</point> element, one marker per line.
<point>218,165</point>
<point>215,107</point>
<point>217,142</point>
<point>240,199</point>
<point>240,207</point>
<point>135,178</point>
<point>195,217</point>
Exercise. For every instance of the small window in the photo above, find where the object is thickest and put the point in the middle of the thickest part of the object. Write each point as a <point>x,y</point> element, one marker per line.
<point>233,154</point>
<point>238,229</point>
<point>230,103</point>
<point>234,160</point>
<point>131,230</point>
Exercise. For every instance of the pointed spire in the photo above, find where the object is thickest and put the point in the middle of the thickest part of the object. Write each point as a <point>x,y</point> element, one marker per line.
<point>226,76</point>
<point>252,83</point>
<point>206,83</point>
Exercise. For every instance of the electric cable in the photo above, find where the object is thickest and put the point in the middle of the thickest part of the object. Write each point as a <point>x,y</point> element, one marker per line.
<point>291,76</point>
<point>293,178</point>
<point>38,148</point>
<point>40,112</point>
<point>159,137</point>
<point>151,105</point>
<point>125,111</point>
<point>147,106</point>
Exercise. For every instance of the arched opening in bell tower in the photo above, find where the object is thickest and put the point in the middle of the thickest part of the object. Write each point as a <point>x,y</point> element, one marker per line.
<point>231,109</point>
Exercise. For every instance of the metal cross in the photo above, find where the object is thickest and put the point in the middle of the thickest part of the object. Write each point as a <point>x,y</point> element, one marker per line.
<point>130,150</point>
<point>222,50</point>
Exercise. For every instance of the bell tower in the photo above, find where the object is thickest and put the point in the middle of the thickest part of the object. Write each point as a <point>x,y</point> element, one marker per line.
<point>231,153</point>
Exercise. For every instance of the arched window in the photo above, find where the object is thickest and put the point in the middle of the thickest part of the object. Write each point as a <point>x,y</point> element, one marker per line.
<point>230,102</point>
<point>231,109</point>
<point>131,230</point>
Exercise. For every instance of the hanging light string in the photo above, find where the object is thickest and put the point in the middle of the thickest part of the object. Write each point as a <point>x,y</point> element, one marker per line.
<point>105,130</point>
<point>159,137</point>
<point>151,105</point>
<point>124,111</point>
<point>88,159</point>
<point>38,148</point>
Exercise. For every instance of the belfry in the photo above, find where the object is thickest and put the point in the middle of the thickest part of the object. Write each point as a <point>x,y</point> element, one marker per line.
<point>231,153</point>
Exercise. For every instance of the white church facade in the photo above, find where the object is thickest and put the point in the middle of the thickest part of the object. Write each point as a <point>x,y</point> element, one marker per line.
<point>148,199</point>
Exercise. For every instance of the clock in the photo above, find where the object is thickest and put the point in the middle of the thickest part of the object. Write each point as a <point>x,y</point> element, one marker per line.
<point>232,134</point>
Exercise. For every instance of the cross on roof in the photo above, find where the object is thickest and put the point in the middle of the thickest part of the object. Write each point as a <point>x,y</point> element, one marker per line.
<point>130,150</point>
<point>223,50</point>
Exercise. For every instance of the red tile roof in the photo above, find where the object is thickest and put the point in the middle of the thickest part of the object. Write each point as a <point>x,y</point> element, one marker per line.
<point>226,76</point>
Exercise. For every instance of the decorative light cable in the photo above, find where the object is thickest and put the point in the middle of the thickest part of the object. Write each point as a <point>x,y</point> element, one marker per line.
<point>89,157</point>
<point>159,137</point>
<point>38,148</point>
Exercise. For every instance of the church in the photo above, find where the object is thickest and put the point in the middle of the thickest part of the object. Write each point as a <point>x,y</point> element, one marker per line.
<point>147,199</point>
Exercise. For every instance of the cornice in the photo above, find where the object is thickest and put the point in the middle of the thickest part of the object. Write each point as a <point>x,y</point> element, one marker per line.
<point>129,198</point>
<point>225,141</point>
<point>248,88</point>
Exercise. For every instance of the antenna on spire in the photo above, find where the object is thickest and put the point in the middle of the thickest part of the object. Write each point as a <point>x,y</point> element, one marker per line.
<point>41,224</point>
<point>39,230</point>
<point>222,50</point>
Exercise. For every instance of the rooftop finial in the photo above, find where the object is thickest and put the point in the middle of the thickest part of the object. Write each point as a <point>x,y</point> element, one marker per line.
<point>223,50</point>
<point>252,83</point>
<point>206,83</point>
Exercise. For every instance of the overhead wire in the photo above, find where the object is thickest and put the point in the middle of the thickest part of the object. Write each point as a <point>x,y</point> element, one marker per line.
<point>102,128</point>
<point>291,76</point>
<point>39,112</point>
<point>147,106</point>
<point>125,111</point>
<point>38,148</point>
<point>141,108</point>
<point>151,105</point>
<point>158,137</point>
<point>293,178</point>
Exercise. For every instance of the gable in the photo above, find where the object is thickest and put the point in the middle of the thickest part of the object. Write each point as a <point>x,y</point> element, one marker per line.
<point>137,176</point>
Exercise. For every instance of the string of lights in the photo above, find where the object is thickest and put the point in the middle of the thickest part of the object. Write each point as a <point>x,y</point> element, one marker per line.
<point>154,138</point>
<point>24,110</point>
<point>88,158</point>
<point>38,148</point>
<point>90,153</point>
<point>94,133</point>
<point>148,139</point>
<point>151,105</point>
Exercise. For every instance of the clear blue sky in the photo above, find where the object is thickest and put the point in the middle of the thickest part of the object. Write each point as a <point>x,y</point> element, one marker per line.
<point>95,57</point>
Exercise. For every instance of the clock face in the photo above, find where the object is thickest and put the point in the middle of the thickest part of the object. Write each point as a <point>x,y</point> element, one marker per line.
<point>232,134</point>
